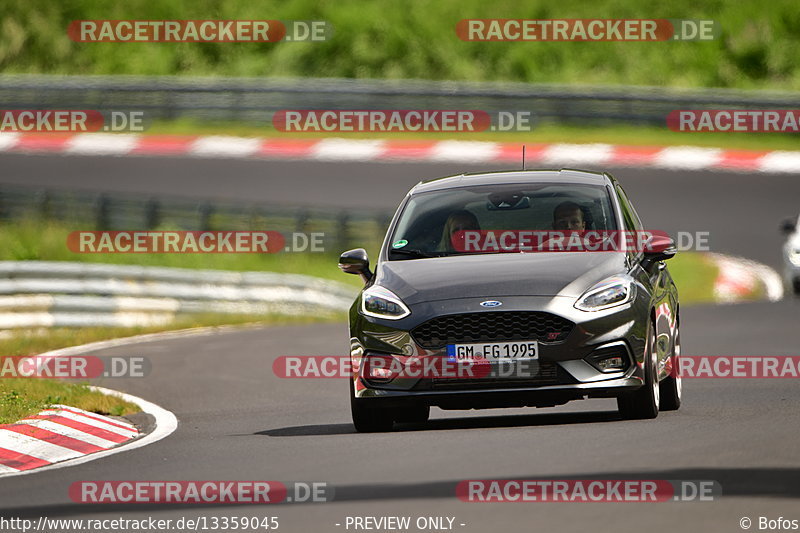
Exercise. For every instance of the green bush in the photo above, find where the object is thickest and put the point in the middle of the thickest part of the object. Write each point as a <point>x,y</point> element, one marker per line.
<point>758,47</point>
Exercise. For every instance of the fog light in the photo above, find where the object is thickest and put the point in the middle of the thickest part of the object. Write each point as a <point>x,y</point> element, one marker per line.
<point>382,368</point>
<point>610,358</point>
<point>611,363</point>
<point>380,373</point>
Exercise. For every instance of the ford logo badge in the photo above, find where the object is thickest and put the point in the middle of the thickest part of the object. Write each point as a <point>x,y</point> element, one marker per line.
<point>491,303</point>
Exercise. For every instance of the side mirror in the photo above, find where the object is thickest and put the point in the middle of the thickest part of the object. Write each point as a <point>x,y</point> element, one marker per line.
<point>660,248</point>
<point>788,226</point>
<point>356,262</point>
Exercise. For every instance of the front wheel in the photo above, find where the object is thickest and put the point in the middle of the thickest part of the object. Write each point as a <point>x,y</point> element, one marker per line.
<point>672,386</point>
<point>644,402</point>
<point>368,419</point>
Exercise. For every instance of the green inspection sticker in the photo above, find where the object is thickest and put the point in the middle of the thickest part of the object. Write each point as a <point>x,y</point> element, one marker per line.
<point>399,244</point>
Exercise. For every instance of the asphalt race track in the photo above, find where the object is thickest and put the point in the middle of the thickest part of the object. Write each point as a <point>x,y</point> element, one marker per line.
<point>239,422</point>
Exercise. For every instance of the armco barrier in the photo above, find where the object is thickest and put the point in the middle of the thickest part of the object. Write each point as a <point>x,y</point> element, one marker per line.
<point>65,294</point>
<point>257,99</point>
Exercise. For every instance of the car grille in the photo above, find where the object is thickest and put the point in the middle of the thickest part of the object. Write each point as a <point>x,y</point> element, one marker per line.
<point>491,326</point>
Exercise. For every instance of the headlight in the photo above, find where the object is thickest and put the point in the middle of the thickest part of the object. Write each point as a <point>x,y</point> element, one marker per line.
<point>608,293</point>
<point>383,303</point>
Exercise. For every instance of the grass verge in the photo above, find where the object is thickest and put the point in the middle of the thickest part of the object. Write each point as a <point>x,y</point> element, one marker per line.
<point>23,397</point>
<point>694,274</point>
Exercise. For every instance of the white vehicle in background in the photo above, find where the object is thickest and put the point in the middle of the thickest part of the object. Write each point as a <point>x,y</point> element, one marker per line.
<point>791,254</point>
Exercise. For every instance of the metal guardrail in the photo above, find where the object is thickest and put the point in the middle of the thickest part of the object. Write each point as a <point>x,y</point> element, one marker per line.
<point>64,294</point>
<point>255,100</point>
<point>85,211</point>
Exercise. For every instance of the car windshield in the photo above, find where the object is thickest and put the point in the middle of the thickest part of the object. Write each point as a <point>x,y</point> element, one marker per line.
<point>430,222</point>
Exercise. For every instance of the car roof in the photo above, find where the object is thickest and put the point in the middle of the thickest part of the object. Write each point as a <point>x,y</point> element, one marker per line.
<point>564,175</point>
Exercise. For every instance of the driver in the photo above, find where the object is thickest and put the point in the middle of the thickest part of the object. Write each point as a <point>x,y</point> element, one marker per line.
<point>568,216</point>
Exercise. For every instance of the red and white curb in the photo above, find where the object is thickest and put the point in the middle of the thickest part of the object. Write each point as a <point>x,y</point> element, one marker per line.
<point>389,150</point>
<point>51,455</point>
<point>58,434</point>
<point>739,279</point>
<point>65,436</point>
<point>165,421</point>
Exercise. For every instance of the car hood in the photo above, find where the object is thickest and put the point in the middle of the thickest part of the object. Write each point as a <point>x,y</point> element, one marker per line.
<point>496,275</point>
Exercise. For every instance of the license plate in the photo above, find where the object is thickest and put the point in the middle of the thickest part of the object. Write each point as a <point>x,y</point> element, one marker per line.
<point>494,351</point>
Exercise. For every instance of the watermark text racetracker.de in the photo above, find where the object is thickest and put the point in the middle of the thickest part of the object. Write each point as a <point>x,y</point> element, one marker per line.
<point>198,31</point>
<point>200,492</point>
<point>71,121</point>
<point>500,241</point>
<point>486,362</point>
<point>583,30</point>
<point>401,120</point>
<point>74,367</point>
<point>587,490</point>
<point>489,361</point>
<point>209,242</point>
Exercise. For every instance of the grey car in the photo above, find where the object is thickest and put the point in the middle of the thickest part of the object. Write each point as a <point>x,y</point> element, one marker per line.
<point>544,328</point>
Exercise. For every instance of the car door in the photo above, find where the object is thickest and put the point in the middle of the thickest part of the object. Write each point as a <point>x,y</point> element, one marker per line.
<point>659,281</point>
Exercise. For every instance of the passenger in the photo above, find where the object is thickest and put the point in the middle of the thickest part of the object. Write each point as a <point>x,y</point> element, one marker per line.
<point>460,220</point>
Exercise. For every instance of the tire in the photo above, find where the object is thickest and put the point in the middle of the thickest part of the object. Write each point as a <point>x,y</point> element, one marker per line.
<point>368,419</point>
<point>643,403</point>
<point>796,286</point>
<point>414,414</point>
<point>672,386</point>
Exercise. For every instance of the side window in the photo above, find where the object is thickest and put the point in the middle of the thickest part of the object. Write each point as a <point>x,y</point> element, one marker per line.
<point>632,221</point>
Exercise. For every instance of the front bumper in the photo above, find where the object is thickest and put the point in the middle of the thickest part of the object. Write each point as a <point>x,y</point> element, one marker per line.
<point>471,398</point>
<point>565,371</point>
